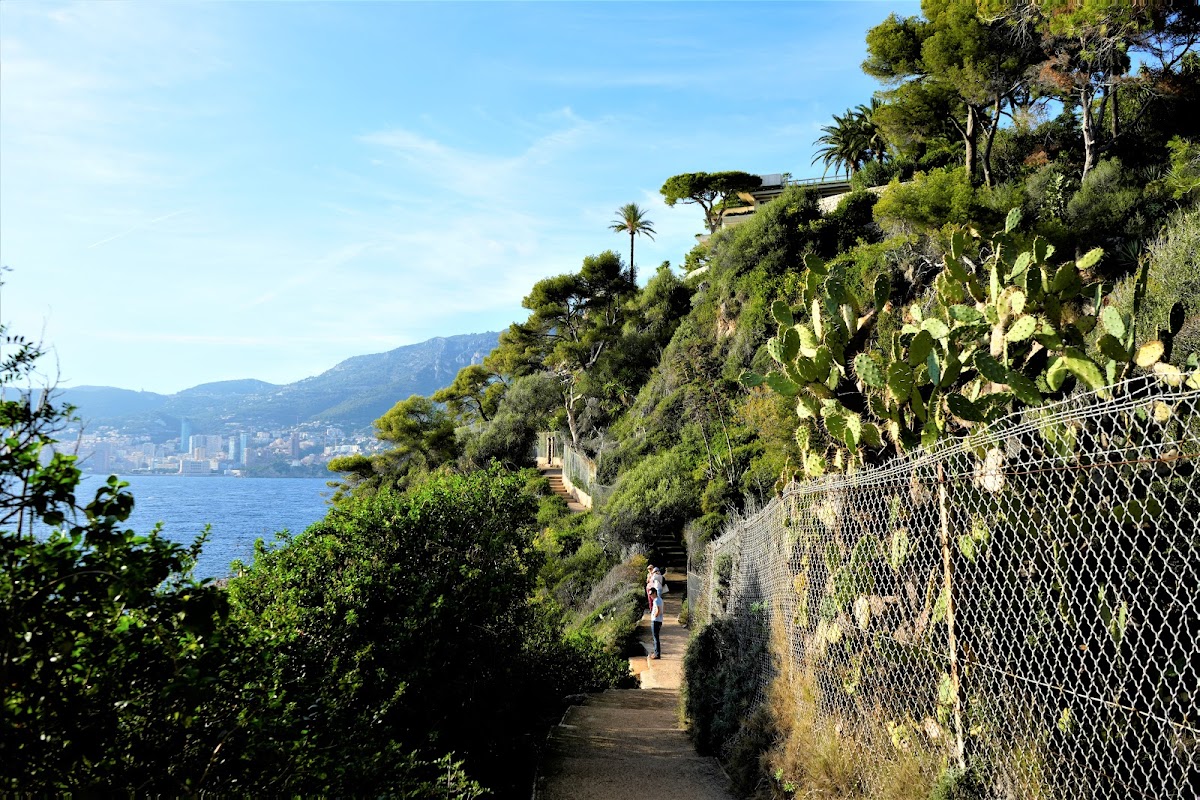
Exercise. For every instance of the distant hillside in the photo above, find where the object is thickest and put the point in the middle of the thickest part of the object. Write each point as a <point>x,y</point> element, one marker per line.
<point>351,395</point>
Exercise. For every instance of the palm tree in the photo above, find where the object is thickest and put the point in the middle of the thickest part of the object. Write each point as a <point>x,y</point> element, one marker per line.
<point>633,220</point>
<point>851,141</point>
<point>870,134</point>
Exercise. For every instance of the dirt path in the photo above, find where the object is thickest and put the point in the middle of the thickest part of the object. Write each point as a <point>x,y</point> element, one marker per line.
<point>629,744</point>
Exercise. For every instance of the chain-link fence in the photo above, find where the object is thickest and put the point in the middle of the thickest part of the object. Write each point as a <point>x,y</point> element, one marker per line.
<point>1022,601</point>
<point>581,472</point>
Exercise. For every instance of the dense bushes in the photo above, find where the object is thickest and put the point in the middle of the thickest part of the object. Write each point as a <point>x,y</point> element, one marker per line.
<point>371,654</point>
<point>1172,281</point>
<point>721,671</point>
<point>405,623</point>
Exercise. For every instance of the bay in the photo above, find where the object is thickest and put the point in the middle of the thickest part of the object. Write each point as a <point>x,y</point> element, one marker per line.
<point>240,510</point>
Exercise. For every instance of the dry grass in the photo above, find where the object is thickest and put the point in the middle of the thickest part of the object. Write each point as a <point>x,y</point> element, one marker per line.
<point>814,759</point>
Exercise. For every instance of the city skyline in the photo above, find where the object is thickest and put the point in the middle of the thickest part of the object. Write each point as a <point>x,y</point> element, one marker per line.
<point>192,193</point>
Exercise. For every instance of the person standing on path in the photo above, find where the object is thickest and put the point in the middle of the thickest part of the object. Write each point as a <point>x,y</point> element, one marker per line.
<point>656,621</point>
<point>650,583</point>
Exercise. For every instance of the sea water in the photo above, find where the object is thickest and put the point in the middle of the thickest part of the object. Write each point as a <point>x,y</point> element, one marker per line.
<point>239,511</point>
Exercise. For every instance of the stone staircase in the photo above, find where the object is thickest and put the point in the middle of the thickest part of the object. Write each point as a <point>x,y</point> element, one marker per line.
<point>626,745</point>
<point>669,552</point>
<point>558,486</point>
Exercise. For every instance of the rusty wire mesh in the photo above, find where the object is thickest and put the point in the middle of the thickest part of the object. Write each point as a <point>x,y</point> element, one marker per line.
<point>1023,600</point>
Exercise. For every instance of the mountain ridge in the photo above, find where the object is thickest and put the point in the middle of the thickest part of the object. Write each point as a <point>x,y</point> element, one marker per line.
<point>351,394</point>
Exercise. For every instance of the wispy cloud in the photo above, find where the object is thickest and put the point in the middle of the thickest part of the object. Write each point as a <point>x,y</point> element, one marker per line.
<point>135,228</point>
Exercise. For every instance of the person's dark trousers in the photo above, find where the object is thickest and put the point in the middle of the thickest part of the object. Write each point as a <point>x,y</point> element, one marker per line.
<point>655,628</point>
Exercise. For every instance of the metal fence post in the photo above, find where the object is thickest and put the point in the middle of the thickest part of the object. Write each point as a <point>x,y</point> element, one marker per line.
<point>951,634</point>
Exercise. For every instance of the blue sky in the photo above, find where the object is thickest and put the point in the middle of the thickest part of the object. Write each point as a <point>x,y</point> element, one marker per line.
<point>202,192</point>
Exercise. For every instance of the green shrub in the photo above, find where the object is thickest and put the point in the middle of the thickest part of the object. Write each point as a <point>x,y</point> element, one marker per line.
<point>876,173</point>
<point>529,406</point>
<point>1173,279</point>
<point>659,495</point>
<point>370,624</point>
<point>929,202</point>
<point>720,679</point>
<point>1183,181</point>
<point>1104,202</point>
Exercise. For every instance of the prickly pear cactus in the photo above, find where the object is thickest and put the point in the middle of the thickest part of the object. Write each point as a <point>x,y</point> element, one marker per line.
<point>1011,328</point>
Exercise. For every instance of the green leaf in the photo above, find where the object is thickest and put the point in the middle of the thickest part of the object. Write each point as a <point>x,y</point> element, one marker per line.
<point>990,368</point>
<point>920,346</point>
<point>1084,368</point>
<point>803,436</point>
<point>782,384</point>
<point>1042,250</point>
<point>808,340</point>
<point>957,270</point>
<point>1067,277</point>
<point>930,433</point>
<point>934,367</point>
<point>1012,220</point>
<point>965,314</point>
<point>823,360</point>
<point>1016,299</point>
<point>936,328</point>
<point>1021,329</point>
<point>775,350</point>
<point>1112,321</point>
<point>899,380</point>
<point>899,549</point>
<point>812,284</point>
<point>958,245</point>
<point>782,313</point>
<point>836,421</point>
<point>751,379</point>
<point>1090,259</point>
<point>807,406</point>
<point>807,368</point>
<point>966,543</point>
<point>1112,348</point>
<point>869,371</point>
<point>1119,622</point>
<point>816,264</point>
<point>872,436</point>
<point>1056,373</point>
<point>1022,264</point>
<point>1025,389</point>
<point>963,408</point>
<point>883,290</point>
<point>790,347</point>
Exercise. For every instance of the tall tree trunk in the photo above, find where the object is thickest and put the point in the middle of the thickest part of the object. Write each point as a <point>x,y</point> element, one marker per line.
<point>991,137</point>
<point>569,400</point>
<point>1087,125</point>
<point>1115,128</point>
<point>632,274</point>
<point>970,136</point>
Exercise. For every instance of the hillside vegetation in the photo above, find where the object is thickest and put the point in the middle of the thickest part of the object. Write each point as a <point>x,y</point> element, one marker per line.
<point>1035,236</point>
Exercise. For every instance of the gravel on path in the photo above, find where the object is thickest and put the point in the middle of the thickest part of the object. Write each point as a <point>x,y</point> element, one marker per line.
<point>629,744</point>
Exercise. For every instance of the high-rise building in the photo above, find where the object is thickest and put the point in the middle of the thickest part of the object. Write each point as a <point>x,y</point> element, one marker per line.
<point>185,435</point>
<point>294,444</point>
<point>244,441</point>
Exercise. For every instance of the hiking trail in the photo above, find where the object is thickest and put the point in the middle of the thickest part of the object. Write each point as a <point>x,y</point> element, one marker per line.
<point>629,744</point>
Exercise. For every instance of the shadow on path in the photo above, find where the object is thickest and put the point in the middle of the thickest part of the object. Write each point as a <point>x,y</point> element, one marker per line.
<point>629,744</point>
